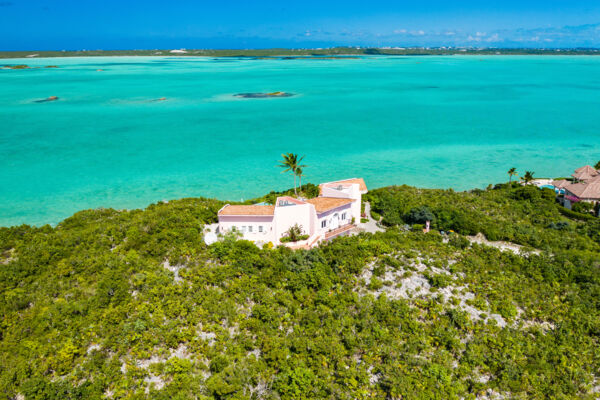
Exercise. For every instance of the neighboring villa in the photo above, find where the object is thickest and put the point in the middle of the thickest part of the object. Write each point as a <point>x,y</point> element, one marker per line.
<point>585,186</point>
<point>322,218</point>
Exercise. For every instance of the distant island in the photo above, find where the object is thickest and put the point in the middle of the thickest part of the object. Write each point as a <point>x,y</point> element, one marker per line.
<point>319,52</point>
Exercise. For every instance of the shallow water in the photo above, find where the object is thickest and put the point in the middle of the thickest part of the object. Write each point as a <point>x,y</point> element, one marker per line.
<point>451,121</point>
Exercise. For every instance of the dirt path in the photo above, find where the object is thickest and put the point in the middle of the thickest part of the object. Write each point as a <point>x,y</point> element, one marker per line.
<point>371,225</point>
<point>504,246</point>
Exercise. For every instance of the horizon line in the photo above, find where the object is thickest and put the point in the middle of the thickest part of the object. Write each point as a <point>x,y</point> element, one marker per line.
<point>357,47</point>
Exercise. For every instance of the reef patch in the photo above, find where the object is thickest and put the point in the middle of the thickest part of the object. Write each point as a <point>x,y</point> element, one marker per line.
<point>51,98</point>
<point>263,95</point>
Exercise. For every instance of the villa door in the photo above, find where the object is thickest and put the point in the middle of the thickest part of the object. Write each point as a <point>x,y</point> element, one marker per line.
<point>334,221</point>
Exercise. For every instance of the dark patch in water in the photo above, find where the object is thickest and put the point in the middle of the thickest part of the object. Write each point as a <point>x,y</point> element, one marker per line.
<point>263,95</point>
<point>586,145</point>
<point>51,98</point>
<point>238,58</point>
<point>111,64</point>
<point>304,57</point>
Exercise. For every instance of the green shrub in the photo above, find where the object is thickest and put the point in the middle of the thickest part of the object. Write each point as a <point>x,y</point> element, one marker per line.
<point>308,190</point>
<point>419,215</point>
<point>492,233</point>
<point>287,239</point>
<point>439,280</point>
<point>375,283</point>
<point>559,225</point>
<point>527,192</point>
<point>294,234</point>
<point>507,310</point>
<point>575,215</point>
<point>459,241</point>
<point>548,194</point>
<point>379,270</point>
<point>582,207</point>
<point>417,227</point>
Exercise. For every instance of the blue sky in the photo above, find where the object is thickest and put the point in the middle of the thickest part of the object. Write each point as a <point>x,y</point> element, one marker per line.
<point>137,24</point>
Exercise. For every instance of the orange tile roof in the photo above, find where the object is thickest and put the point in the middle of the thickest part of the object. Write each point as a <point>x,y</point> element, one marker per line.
<point>585,190</point>
<point>584,173</point>
<point>323,204</point>
<point>585,168</point>
<point>594,179</point>
<point>247,210</point>
<point>362,186</point>
<point>561,183</point>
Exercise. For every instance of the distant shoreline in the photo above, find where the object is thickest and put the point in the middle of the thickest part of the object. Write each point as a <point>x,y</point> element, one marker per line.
<point>301,53</point>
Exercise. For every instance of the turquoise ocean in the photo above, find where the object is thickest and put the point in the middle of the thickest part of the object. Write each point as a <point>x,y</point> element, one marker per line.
<point>453,121</point>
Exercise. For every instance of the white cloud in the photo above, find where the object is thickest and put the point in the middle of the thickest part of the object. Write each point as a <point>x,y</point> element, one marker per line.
<point>559,36</point>
<point>493,38</point>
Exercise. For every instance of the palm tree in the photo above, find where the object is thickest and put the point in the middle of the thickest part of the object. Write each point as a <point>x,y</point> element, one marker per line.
<point>299,174</point>
<point>528,177</point>
<point>511,172</point>
<point>294,232</point>
<point>291,162</point>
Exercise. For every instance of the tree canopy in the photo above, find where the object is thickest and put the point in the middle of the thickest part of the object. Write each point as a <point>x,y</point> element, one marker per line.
<point>133,304</point>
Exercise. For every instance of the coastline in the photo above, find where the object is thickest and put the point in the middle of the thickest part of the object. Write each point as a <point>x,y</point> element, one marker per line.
<point>335,52</point>
<point>223,201</point>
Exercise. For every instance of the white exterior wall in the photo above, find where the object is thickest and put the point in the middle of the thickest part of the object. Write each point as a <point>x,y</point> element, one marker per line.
<point>351,191</point>
<point>228,222</point>
<point>356,205</point>
<point>326,216</point>
<point>287,216</point>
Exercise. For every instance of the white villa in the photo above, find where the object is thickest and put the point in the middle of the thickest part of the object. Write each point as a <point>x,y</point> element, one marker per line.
<point>332,214</point>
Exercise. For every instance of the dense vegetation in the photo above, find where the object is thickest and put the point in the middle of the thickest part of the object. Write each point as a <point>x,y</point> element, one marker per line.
<point>334,51</point>
<point>133,304</point>
<point>524,214</point>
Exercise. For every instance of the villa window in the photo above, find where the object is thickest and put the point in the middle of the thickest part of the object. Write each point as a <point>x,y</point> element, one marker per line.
<point>343,216</point>
<point>250,228</point>
<point>324,223</point>
<point>243,229</point>
<point>260,228</point>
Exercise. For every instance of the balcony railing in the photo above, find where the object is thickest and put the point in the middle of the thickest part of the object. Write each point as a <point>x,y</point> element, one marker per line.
<point>339,231</point>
